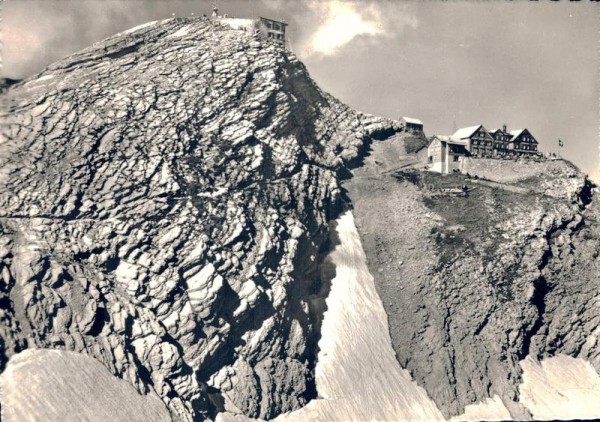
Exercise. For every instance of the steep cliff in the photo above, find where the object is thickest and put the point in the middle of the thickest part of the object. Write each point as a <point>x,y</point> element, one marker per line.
<point>164,199</point>
<point>473,285</point>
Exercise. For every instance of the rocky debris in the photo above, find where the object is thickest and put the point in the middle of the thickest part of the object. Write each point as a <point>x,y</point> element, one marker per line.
<point>486,280</point>
<point>164,200</point>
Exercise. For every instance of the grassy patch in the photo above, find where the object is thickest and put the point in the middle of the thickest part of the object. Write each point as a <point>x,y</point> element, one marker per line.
<point>414,144</point>
<point>469,221</point>
<point>411,176</point>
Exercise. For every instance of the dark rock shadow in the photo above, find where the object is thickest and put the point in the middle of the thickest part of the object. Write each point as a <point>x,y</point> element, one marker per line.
<point>318,278</point>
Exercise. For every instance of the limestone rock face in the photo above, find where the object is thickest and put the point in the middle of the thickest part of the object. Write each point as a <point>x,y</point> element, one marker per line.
<point>164,205</point>
<point>164,199</point>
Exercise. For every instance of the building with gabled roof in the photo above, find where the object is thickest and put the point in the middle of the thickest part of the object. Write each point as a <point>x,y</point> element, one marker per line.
<point>522,142</point>
<point>481,143</point>
<point>412,125</point>
<point>445,154</point>
<point>501,140</point>
<point>478,139</point>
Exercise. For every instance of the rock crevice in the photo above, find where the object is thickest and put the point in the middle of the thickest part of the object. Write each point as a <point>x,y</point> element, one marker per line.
<point>164,197</point>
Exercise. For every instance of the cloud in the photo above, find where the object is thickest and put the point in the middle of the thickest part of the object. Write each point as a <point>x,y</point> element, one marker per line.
<point>36,33</point>
<point>343,21</point>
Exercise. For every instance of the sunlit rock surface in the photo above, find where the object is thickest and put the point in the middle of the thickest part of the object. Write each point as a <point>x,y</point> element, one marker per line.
<point>166,198</point>
<point>164,201</point>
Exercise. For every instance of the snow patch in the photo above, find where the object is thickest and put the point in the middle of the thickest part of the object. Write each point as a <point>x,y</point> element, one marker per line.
<point>560,387</point>
<point>137,28</point>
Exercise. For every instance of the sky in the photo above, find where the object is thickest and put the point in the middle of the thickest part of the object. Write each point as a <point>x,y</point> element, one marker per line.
<point>524,64</point>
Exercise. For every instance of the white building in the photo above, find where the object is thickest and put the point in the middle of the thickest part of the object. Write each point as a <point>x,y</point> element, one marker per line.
<point>268,28</point>
<point>445,154</point>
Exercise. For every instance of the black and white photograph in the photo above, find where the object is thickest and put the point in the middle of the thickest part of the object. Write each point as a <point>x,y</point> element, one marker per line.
<point>299,210</point>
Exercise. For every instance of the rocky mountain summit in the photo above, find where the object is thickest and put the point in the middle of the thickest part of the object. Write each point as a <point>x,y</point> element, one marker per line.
<point>165,206</point>
<point>164,199</point>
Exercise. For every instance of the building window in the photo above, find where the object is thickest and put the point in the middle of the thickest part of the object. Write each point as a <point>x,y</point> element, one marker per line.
<point>455,158</point>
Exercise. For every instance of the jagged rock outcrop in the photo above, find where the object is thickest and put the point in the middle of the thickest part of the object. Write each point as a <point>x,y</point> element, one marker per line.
<point>164,204</point>
<point>164,199</point>
<point>473,285</point>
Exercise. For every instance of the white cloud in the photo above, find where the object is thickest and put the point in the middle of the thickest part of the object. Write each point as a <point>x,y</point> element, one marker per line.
<point>342,21</point>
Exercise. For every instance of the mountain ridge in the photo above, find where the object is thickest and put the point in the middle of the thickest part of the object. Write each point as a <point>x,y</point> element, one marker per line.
<point>165,206</point>
<point>158,190</point>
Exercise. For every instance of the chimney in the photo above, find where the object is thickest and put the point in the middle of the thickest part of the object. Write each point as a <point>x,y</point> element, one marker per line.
<point>504,128</point>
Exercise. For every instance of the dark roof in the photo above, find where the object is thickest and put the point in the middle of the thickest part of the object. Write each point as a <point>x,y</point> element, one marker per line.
<point>457,149</point>
<point>517,133</point>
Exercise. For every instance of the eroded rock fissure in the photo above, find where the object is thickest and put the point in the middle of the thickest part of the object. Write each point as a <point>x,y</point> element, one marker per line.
<point>166,195</point>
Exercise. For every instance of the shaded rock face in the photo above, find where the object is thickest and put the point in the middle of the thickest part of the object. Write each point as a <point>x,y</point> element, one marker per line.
<point>164,198</point>
<point>472,285</point>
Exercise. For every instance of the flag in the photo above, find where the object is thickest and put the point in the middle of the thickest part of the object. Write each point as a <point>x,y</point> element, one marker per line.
<point>560,143</point>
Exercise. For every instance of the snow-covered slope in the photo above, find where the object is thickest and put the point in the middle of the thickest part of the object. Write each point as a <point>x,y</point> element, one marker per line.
<point>358,377</point>
<point>57,385</point>
<point>560,387</point>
